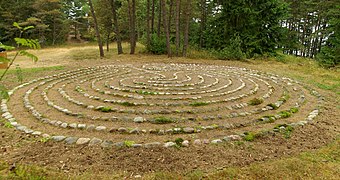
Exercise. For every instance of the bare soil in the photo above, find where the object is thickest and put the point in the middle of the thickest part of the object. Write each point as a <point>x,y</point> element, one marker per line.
<point>16,147</point>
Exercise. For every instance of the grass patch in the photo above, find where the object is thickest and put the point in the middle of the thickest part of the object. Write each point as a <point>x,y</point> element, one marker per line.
<point>273,106</point>
<point>127,104</point>
<point>294,110</point>
<point>249,136</point>
<point>129,143</point>
<point>195,104</point>
<point>105,109</point>
<point>285,114</point>
<point>163,120</point>
<point>255,101</point>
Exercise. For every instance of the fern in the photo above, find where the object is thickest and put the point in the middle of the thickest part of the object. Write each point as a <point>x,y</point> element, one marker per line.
<point>31,43</point>
<point>29,55</point>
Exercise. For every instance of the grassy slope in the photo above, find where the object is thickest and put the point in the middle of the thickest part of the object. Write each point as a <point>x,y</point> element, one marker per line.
<point>321,164</point>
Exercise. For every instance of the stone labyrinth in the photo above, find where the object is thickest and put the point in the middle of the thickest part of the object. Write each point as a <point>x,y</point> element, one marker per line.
<point>159,105</point>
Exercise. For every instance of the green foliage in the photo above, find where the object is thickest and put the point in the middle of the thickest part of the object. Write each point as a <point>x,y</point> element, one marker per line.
<point>45,139</point>
<point>127,104</point>
<point>249,136</point>
<point>255,101</point>
<point>294,110</point>
<point>8,125</point>
<point>105,109</point>
<point>3,92</point>
<point>195,104</point>
<point>145,92</point>
<point>157,45</point>
<point>179,141</point>
<point>129,143</point>
<point>285,114</point>
<point>18,73</point>
<point>233,51</point>
<point>163,120</point>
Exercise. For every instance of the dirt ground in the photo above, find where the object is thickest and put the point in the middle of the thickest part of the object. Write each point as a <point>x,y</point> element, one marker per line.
<point>17,148</point>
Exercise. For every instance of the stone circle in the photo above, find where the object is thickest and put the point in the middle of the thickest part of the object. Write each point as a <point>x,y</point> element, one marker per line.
<point>158,104</point>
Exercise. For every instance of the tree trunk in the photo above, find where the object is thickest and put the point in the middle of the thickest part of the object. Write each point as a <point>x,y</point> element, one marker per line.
<point>167,33</point>
<point>100,44</point>
<point>159,19</point>
<point>178,13</point>
<point>203,22</point>
<point>132,16</point>
<point>148,23</point>
<point>108,42</point>
<point>170,15</point>
<point>186,30</point>
<point>153,17</point>
<point>116,26</point>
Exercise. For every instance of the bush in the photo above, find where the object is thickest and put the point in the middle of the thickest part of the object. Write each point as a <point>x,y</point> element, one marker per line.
<point>157,45</point>
<point>233,51</point>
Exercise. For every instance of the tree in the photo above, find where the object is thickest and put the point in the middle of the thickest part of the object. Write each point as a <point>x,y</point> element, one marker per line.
<point>166,30</point>
<point>100,44</point>
<point>113,4</point>
<point>330,53</point>
<point>177,22</point>
<point>186,30</point>
<point>132,20</point>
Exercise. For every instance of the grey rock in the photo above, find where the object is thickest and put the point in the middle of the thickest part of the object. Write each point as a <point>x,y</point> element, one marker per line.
<point>100,128</point>
<point>216,141</point>
<point>81,126</point>
<point>95,141</point>
<point>63,125</point>
<point>58,138</point>
<point>71,140</point>
<point>82,141</point>
<point>137,145</point>
<point>169,144</point>
<point>91,127</point>
<point>73,125</point>
<point>138,119</point>
<point>134,131</point>
<point>119,144</point>
<point>185,143</point>
<point>122,130</point>
<point>106,144</point>
<point>188,130</point>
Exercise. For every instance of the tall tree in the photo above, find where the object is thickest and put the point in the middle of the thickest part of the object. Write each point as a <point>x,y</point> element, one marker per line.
<point>116,26</point>
<point>177,22</point>
<point>166,30</point>
<point>148,23</point>
<point>132,20</point>
<point>186,29</point>
<point>100,44</point>
<point>159,18</point>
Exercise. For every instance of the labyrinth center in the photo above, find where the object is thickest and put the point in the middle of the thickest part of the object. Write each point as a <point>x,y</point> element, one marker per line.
<point>157,104</point>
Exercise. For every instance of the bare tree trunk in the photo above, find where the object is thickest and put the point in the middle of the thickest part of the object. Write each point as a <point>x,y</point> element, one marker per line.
<point>178,13</point>
<point>100,44</point>
<point>203,22</point>
<point>170,15</point>
<point>159,19</point>
<point>132,14</point>
<point>153,17</point>
<point>116,26</point>
<point>186,30</point>
<point>108,42</point>
<point>167,33</point>
<point>148,23</point>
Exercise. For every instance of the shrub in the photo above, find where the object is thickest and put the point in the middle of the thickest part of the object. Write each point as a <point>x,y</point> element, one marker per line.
<point>105,109</point>
<point>285,114</point>
<point>233,51</point>
<point>157,45</point>
<point>294,110</point>
<point>249,136</point>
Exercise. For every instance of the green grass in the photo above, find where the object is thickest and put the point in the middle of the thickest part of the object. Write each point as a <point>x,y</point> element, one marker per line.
<point>163,120</point>
<point>105,109</point>
<point>128,104</point>
<point>285,114</point>
<point>249,136</point>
